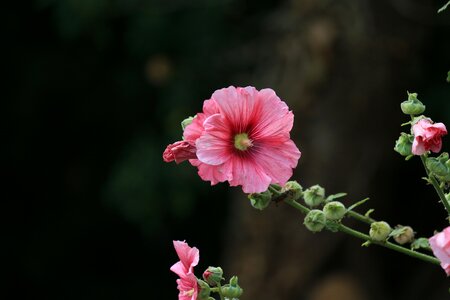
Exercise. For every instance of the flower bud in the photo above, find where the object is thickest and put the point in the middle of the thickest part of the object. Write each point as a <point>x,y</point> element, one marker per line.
<point>404,144</point>
<point>293,190</point>
<point>204,290</point>
<point>260,200</point>
<point>403,234</point>
<point>412,106</point>
<point>213,275</point>
<point>334,210</point>
<point>186,122</point>
<point>314,196</point>
<point>315,220</point>
<point>437,166</point>
<point>379,231</point>
<point>232,290</point>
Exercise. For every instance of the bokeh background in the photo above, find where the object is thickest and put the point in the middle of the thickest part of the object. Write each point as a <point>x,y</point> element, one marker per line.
<point>95,90</point>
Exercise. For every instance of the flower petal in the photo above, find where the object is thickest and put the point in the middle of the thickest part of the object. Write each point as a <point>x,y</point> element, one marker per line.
<point>250,175</point>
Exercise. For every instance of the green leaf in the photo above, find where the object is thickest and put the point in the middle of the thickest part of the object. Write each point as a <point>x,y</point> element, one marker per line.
<point>335,196</point>
<point>448,74</point>
<point>420,243</point>
<point>367,214</point>
<point>398,231</point>
<point>358,204</point>
<point>444,7</point>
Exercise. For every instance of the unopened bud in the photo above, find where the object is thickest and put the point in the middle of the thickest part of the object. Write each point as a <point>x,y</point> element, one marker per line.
<point>403,234</point>
<point>404,144</point>
<point>260,200</point>
<point>204,290</point>
<point>315,220</point>
<point>186,122</point>
<point>314,196</point>
<point>213,275</point>
<point>334,210</point>
<point>379,231</point>
<point>293,190</point>
<point>232,290</point>
<point>437,167</point>
<point>412,106</point>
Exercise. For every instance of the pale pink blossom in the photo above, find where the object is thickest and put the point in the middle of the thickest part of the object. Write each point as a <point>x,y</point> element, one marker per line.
<point>188,287</point>
<point>243,137</point>
<point>187,283</point>
<point>179,152</point>
<point>427,136</point>
<point>188,256</point>
<point>440,244</point>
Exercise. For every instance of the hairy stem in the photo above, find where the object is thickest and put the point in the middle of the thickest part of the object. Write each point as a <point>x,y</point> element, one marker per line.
<point>360,235</point>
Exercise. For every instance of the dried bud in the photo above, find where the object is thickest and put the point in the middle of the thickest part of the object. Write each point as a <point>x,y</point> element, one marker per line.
<point>379,231</point>
<point>403,234</point>
<point>404,144</point>
<point>334,210</point>
<point>260,200</point>
<point>213,275</point>
<point>232,290</point>
<point>315,220</point>
<point>204,290</point>
<point>412,106</point>
<point>314,196</point>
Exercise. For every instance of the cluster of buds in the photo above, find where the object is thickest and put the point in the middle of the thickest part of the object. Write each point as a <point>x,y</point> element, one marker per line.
<point>193,288</point>
<point>331,213</point>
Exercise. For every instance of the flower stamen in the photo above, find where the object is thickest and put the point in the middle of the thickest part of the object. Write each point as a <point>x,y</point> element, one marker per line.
<point>242,142</point>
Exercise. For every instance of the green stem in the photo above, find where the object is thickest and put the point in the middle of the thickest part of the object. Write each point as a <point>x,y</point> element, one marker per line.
<point>219,290</point>
<point>436,186</point>
<point>360,217</point>
<point>365,237</point>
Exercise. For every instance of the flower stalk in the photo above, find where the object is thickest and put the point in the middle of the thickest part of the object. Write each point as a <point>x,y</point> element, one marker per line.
<point>365,237</point>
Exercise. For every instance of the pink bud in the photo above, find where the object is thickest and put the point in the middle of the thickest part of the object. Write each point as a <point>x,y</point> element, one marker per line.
<point>179,152</point>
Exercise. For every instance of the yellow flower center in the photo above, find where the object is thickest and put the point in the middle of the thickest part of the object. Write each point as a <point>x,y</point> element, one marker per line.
<point>188,293</point>
<point>242,142</point>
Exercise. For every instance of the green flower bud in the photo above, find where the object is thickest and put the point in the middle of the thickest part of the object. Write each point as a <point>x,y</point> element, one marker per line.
<point>260,200</point>
<point>404,144</point>
<point>403,234</point>
<point>232,290</point>
<point>204,290</point>
<point>293,190</point>
<point>314,196</point>
<point>379,231</point>
<point>186,122</point>
<point>412,106</point>
<point>334,210</point>
<point>315,220</point>
<point>437,167</point>
<point>213,275</point>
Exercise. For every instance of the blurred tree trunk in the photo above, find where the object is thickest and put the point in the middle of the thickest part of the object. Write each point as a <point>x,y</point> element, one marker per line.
<point>343,67</point>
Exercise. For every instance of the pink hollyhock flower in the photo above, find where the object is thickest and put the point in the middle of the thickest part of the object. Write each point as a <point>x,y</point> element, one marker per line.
<point>440,244</point>
<point>179,152</point>
<point>188,287</point>
<point>187,283</point>
<point>243,137</point>
<point>427,136</point>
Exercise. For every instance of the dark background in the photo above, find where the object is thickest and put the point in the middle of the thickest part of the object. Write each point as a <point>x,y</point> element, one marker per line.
<point>95,90</point>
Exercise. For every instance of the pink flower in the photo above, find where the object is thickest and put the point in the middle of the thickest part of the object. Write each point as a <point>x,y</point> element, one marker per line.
<point>427,136</point>
<point>179,151</point>
<point>243,137</point>
<point>187,283</point>
<point>440,244</point>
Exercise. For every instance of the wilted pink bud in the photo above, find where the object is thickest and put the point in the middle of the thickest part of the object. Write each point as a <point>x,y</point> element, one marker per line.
<point>427,136</point>
<point>440,244</point>
<point>179,152</point>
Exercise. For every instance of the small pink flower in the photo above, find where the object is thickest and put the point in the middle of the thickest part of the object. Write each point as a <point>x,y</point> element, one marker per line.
<point>187,283</point>
<point>440,244</point>
<point>243,137</point>
<point>427,136</point>
<point>188,287</point>
<point>179,151</point>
